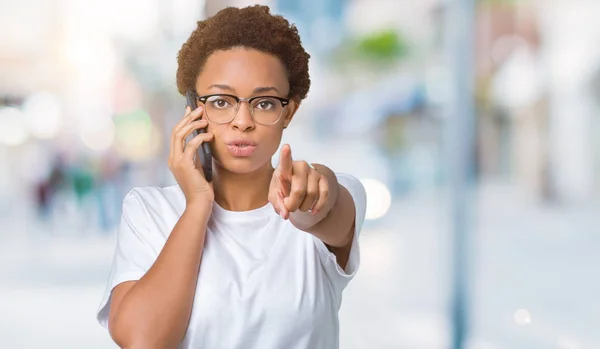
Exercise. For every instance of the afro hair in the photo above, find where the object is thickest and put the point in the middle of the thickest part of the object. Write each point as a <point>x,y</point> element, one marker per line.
<point>250,27</point>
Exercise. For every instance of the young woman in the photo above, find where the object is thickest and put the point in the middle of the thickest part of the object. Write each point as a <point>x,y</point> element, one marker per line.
<point>259,257</point>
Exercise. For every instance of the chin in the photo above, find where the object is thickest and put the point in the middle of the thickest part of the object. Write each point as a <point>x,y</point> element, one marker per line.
<point>242,165</point>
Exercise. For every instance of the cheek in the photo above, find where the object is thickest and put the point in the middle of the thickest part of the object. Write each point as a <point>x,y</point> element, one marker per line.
<point>270,141</point>
<point>217,142</point>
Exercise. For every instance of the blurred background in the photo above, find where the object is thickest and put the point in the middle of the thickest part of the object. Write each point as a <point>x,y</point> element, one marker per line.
<point>88,100</point>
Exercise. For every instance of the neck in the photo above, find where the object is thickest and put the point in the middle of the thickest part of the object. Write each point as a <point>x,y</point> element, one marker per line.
<point>242,191</point>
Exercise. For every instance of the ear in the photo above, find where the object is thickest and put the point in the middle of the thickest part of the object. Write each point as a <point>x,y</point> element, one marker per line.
<point>292,108</point>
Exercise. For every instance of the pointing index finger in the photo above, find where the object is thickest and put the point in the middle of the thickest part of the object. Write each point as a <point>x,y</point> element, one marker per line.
<point>285,160</point>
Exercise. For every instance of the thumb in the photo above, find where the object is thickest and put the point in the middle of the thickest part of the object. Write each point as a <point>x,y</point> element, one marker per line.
<point>285,160</point>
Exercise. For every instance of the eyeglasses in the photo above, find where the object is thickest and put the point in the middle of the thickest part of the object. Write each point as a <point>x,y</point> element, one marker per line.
<point>222,108</point>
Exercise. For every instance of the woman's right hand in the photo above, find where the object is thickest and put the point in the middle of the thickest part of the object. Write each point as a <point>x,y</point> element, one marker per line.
<point>181,158</point>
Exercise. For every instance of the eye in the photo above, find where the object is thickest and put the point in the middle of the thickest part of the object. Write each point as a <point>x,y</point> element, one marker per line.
<point>265,104</point>
<point>220,102</point>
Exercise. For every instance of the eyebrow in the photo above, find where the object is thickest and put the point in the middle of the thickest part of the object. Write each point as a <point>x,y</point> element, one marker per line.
<point>256,90</point>
<point>265,89</point>
<point>221,87</point>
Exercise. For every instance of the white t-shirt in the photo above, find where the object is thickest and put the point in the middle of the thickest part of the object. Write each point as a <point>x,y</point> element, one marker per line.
<point>263,284</point>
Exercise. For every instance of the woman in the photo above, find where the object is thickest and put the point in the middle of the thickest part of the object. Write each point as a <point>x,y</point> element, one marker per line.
<point>258,258</point>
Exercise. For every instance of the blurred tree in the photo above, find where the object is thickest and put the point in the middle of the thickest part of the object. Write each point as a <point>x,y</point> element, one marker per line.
<point>376,51</point>
<point>386,45</point>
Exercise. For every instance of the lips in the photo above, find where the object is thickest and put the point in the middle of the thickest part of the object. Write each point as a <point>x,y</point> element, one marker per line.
<point>241,147</point>
<point>240,142</point>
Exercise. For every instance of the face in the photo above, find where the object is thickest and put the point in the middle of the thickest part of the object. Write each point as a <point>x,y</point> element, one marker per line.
<point>242,145</point>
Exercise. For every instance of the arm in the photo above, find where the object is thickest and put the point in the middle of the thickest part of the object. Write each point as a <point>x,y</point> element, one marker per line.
<point>334,224</point>
<point>154,312</point>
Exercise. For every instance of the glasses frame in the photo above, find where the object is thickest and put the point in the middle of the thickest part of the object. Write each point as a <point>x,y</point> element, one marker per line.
<point>203,99</point>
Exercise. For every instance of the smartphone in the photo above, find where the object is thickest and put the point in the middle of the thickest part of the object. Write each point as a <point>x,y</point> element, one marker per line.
<point>204,151</point>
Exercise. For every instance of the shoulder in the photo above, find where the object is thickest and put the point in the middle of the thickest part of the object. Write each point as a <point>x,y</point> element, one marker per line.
<point>154,199</point>
<point>151,195</point>
<point>151,212</point>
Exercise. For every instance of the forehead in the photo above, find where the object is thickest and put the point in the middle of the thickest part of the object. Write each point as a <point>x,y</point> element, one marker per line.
<point>243,70</point>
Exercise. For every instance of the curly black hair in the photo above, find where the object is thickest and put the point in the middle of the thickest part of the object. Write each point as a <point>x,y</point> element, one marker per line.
<point>250,27</point>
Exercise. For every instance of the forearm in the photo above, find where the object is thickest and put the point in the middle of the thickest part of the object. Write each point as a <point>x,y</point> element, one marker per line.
<point>155,312</point>
<point>333,224</point>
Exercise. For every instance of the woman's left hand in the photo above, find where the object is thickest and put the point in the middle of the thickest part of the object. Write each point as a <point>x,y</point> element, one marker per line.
<point>296,185</point>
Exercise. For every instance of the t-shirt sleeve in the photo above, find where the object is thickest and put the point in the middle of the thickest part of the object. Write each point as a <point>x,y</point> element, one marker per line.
<point>340,277</point>
<point>136,250</point>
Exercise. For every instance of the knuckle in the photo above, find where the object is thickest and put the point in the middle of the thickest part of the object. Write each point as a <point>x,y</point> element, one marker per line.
<point>324,191</point>
<point>202,137</point>
<point>180,133</point>
<point>298,190</point>
<point>323,184</point>
<point>318,179</point>
<point>199,139</point>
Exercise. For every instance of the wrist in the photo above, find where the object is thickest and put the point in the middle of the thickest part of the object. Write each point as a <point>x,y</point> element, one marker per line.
<point>199,206</point>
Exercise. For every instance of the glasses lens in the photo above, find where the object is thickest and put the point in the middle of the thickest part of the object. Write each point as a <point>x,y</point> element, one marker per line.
<point>221,109</point>
<point>266,110</point>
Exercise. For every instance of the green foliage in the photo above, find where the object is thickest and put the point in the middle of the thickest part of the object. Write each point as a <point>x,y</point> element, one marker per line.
<point>382,46</point>
<point>374,51</point>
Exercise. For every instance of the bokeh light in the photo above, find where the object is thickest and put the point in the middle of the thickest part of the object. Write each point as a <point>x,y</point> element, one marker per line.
<point>43,115</point>
<point>12,128</point>
<point>379,198</point>
<point>100,137</point>
<point>522,317</point>
<point>136,136</point>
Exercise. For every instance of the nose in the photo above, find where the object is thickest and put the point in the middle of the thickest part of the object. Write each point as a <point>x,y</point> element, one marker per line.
<point>243,119</point>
